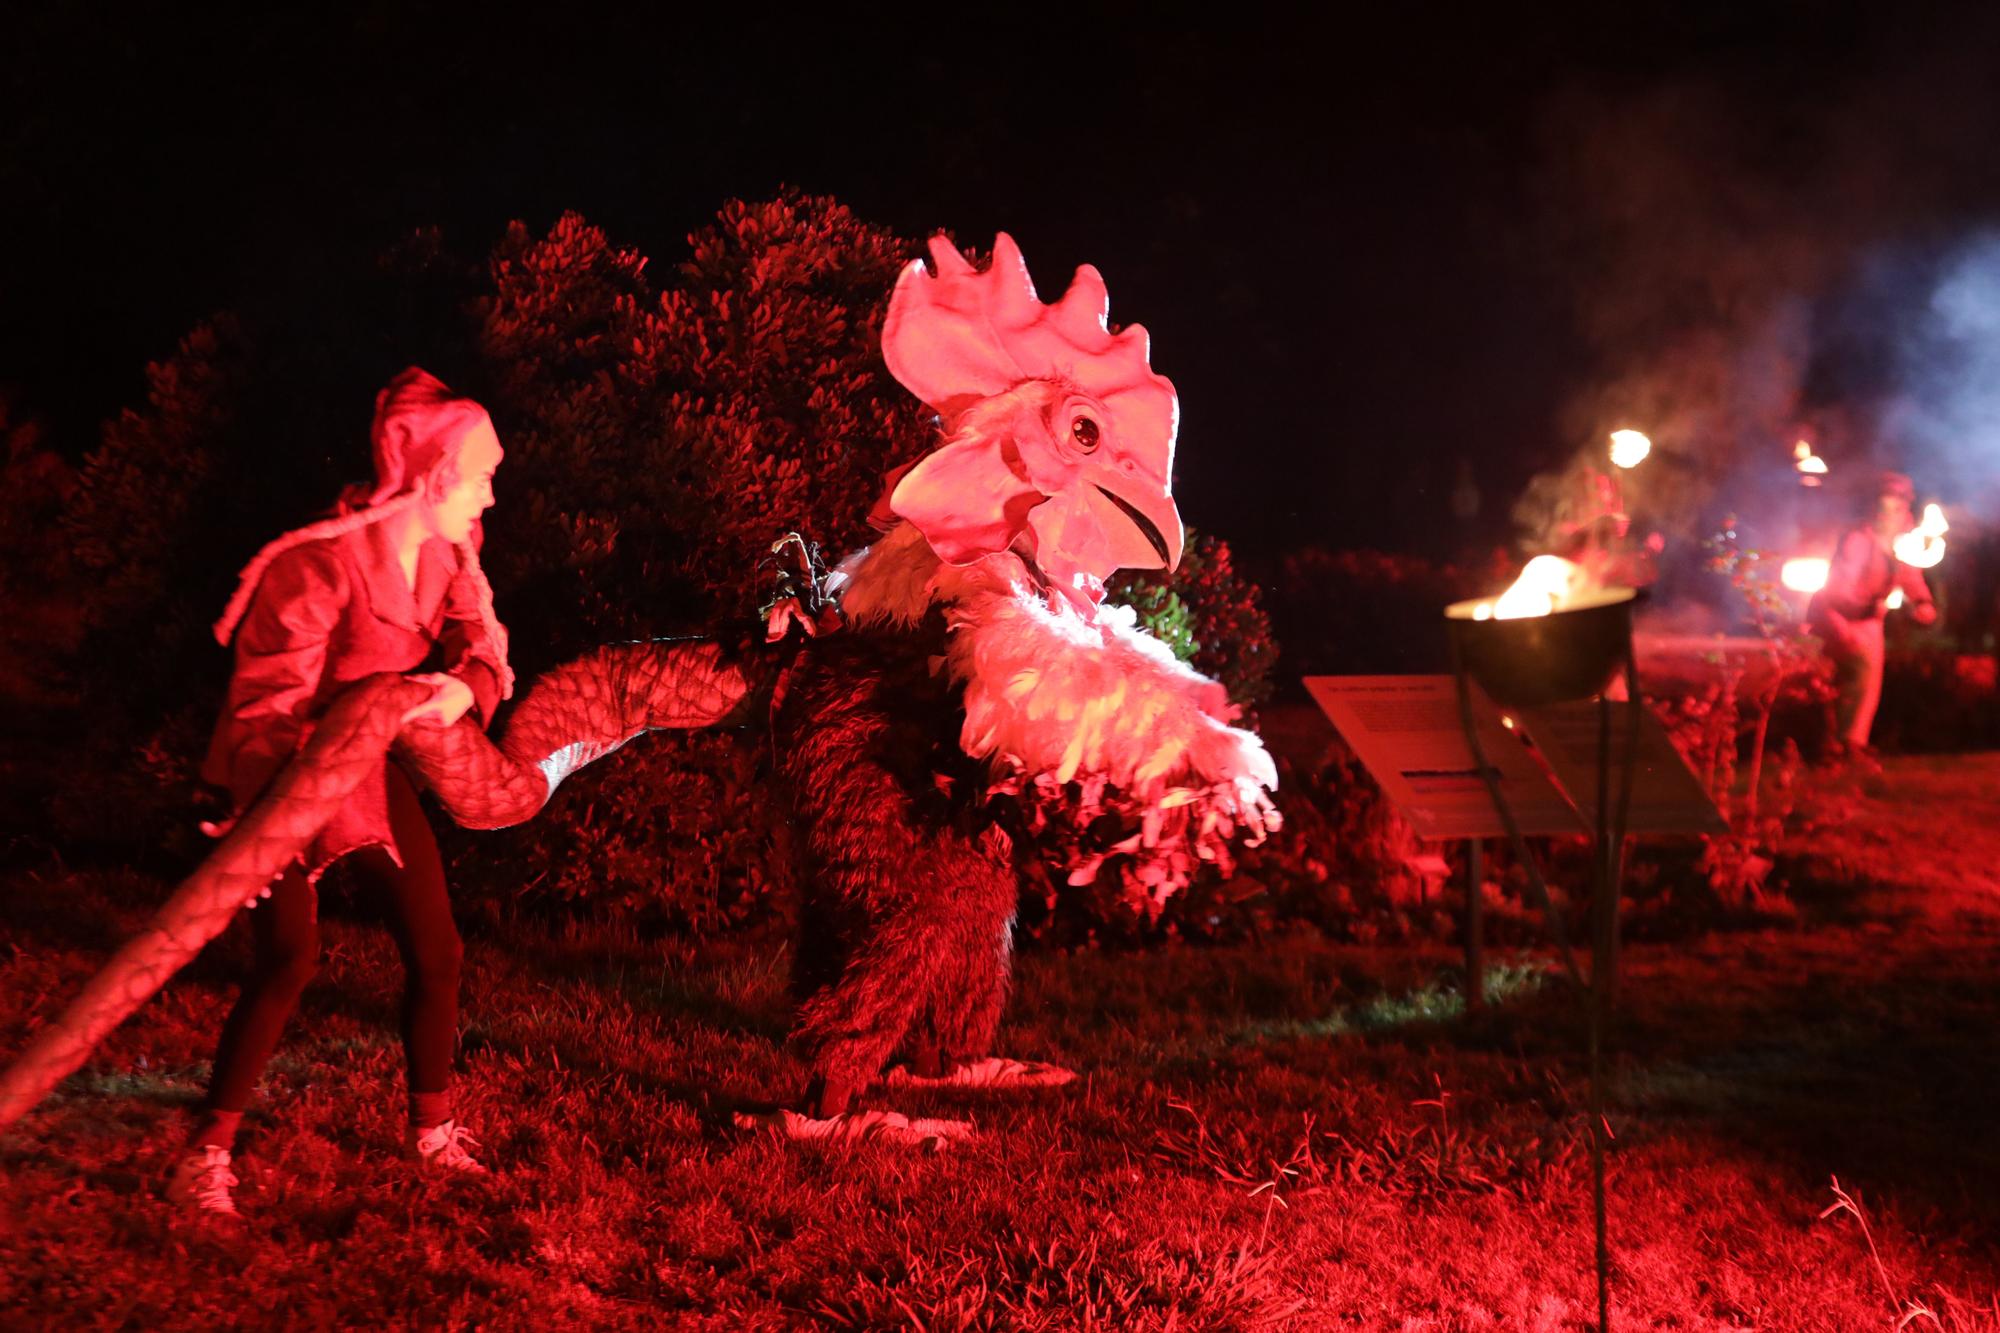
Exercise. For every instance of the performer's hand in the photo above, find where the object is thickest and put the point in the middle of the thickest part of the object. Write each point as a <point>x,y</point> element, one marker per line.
<point>1924,613</point>
<point>451,699</point>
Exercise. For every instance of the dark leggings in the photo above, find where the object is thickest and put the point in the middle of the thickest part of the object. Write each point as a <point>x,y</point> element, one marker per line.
<point>287,952</point>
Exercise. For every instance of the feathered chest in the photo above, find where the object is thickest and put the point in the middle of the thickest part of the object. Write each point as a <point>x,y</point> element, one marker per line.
<point>954,682</point>
<point>1042,690</point>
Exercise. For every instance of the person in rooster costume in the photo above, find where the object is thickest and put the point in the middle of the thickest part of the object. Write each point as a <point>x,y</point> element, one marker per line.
<point>978,651</point>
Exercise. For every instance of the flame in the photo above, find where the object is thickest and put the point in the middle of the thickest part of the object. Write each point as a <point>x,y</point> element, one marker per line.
<point>1923,545</point>
<point>1543,587</point>
<point>1807,574</point>
<point>1629,448</point>
<point>1894,601</point>
<point>1811,467</point>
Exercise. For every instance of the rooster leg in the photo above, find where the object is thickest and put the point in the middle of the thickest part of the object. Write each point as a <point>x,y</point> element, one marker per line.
<point>931,979</point>
<point>848,1030</point>
<point>962,1012</point>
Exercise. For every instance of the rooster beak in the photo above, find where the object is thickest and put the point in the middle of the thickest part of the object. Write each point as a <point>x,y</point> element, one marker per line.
<point>1143,524</point>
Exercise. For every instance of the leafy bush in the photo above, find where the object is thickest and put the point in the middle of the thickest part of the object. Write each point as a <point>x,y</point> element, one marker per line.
<point>1345,860</point>
<point>35,485</point>
<point>1209,614</point>
<point>39,621</point>
<point>658,443</point>
<point>145,567</point>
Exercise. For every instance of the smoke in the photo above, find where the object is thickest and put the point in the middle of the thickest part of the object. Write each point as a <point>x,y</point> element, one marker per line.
<point>1945,414</point>
<point>1757,254</point>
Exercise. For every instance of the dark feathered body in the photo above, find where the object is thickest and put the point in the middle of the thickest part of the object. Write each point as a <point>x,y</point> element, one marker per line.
<point>909,887</point>
<point>888,735</point>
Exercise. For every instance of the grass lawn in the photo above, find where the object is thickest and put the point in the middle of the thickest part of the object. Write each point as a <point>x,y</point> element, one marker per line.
<point>1292,1135</point>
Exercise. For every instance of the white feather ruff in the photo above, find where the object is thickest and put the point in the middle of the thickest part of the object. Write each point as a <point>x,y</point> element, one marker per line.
<point>1045,688</point>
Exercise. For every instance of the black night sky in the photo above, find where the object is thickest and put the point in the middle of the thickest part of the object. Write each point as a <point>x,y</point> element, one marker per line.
<point>1366,249</point>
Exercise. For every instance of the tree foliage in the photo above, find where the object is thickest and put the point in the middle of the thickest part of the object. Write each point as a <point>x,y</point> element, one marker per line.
<point>1210,615</point>
<point>659,441</point>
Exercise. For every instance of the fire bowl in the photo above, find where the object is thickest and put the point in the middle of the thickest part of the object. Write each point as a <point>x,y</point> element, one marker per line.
<point>1568,654</point>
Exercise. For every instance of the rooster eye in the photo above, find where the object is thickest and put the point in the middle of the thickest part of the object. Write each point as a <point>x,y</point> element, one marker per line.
<point>1084,431</point>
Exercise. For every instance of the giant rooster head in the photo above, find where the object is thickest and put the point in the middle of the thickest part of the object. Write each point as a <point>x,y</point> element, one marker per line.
<point>1059,438</point>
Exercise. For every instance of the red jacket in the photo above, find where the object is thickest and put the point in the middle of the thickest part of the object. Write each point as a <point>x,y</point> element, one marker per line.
<point>325,614</point>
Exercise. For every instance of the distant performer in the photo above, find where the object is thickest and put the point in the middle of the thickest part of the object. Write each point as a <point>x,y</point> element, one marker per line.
<point>390,583</point>
<point>1848,612</point>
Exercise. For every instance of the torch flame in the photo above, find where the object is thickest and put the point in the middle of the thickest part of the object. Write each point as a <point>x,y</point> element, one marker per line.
<point>1804,575</point>
<point>1543,587</point>
<point>1923,545</point>
<point>1811,467</point>
<point>1629,448</point>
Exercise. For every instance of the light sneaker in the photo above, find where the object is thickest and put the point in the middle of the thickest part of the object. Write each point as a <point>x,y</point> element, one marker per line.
<point>856,1127</point>
<point>445,1148</point>
<point>995,1071</point>
<point>202,1180</point>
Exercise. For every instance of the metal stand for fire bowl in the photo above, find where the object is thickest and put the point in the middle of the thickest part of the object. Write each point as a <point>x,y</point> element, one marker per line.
<point>1567,655</point>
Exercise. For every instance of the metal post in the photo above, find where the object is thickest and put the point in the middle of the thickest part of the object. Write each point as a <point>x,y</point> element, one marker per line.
<point>1475,963</point>
<point>1603,923</point>
<point>1603,904</point>
<point>1537,888</point>
<point>1622,820</point>
<point>1609,872</point>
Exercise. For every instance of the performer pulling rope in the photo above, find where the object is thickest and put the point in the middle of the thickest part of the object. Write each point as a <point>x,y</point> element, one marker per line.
<point>330,625</point>
<point>573,715</point>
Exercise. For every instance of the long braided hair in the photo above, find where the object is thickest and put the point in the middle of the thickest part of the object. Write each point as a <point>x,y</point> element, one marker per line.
<point>418,424</point>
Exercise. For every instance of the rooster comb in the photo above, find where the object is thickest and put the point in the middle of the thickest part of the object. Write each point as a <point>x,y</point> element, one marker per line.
<point>956,334</point>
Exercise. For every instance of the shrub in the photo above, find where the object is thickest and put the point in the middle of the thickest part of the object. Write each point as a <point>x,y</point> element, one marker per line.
<point>1209,614</point>
<point>147,568</point>
<point>658,443</point>
<point>38,620</point>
